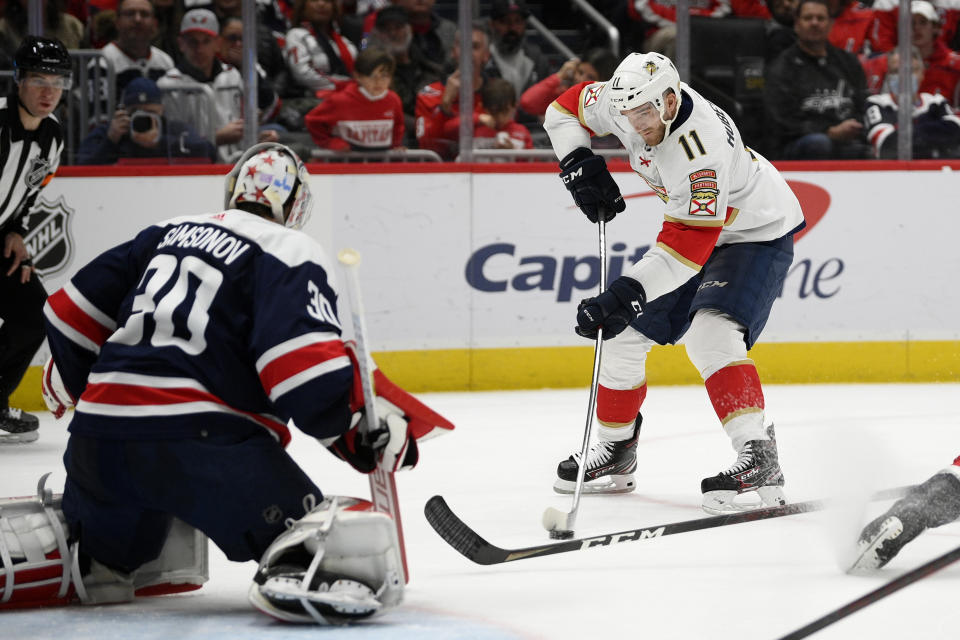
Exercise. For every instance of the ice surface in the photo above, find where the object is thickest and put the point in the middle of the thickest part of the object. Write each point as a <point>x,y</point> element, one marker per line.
<point>754,580</point>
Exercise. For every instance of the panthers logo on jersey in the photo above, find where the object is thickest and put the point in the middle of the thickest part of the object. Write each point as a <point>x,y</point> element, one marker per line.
<point>592,95</point>
<point>703,193</point>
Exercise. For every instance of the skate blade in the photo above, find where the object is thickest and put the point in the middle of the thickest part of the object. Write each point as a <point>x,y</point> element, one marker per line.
<point>867,560</point>
<point>608,484</point>
<point>19,438</point>
<point>719,503</point>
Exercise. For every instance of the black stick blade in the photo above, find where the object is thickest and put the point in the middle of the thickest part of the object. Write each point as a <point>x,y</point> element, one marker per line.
<point>473,547</point>
<point>458,535</point>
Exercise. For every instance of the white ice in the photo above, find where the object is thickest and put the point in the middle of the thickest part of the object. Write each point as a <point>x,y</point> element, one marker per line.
<point>754,580</point>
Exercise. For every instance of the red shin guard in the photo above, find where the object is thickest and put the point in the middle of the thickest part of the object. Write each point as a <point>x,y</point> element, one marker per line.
<point>735,390</point>
<point>619,407</point>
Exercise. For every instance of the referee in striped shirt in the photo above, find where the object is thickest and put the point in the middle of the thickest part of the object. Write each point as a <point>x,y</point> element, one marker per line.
<point>31,140</point>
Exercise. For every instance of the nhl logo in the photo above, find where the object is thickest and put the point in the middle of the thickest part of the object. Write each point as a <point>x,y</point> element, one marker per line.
<point>39,170</point>
<point>48,236</point>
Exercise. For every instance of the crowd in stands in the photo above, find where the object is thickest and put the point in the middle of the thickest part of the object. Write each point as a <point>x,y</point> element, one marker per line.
<point>820,81</point>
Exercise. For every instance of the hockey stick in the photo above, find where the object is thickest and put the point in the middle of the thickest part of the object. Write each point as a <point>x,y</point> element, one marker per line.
<point>383,486</point>
<point>893,586</point>
<point>560,523</point>
<point>465,540</point>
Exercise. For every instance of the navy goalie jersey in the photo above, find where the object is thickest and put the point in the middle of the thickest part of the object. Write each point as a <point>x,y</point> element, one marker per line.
<point>202,323</point>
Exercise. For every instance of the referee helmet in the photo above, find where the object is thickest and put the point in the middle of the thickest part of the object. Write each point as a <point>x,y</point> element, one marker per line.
<point>42,55</point>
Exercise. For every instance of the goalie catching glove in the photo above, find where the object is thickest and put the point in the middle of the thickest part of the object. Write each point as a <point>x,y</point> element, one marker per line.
<point>389,444</point>
<point>613,309</point>
<point>594,190</point>
<point>404,421</point>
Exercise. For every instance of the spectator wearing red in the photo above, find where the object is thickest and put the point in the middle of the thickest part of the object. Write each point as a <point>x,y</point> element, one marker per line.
<point>942,74</point>
<point>318,57</point>
<point>392,31</point>
<point>438,102</point>
<point>365,115</point>
<point>497,128</point>
<point>888,15</point>
<point>936,129</point>
<point>661,16</point>
<point>597,65</point>
<point>854,27</point>
<point>750,9</point>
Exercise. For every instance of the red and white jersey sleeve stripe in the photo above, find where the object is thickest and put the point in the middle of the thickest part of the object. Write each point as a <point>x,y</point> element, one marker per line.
<point>78,319</point>
<point>122,394</point>
<point>300,360</point>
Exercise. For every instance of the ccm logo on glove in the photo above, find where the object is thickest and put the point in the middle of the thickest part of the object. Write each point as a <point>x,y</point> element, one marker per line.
<point>589,182</point>
<point>613,309</point>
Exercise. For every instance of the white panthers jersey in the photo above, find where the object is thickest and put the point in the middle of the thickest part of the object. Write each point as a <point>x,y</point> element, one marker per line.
<point>716,191</point>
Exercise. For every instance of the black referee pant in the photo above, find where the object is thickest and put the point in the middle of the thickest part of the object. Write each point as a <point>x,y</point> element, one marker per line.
<point>21,334</point>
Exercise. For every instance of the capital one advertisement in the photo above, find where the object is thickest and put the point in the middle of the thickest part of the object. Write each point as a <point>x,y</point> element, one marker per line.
<point>501,259</point>
<point>875,261</point>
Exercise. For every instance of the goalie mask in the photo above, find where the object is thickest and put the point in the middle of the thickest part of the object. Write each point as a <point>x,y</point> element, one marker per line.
<point>643,78</point>
<point>271,175</point>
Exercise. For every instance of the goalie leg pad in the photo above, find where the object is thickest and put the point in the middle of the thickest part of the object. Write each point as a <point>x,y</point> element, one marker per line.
<point>183,564</point>
<point>35,559</point>
<point>339,563</point>
<point>39,567</point>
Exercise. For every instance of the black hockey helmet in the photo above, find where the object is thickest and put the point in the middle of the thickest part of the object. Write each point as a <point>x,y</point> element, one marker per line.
<point>42,55</point>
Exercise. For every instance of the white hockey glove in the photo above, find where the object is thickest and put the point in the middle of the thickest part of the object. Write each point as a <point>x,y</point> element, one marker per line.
<point>390,444</point>
<point>55,394</point>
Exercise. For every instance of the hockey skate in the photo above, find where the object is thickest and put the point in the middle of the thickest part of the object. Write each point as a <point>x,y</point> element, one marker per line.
<point>610,467</point>
<point>18,426</point>
<point>931,504</point>
<point>756,469</point>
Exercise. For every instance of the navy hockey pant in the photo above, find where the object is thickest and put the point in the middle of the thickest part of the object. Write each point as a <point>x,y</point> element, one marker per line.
<point>120,495</point>
<point>742,280</point>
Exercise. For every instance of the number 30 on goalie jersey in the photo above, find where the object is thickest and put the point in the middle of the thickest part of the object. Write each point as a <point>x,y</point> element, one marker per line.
<point>225,313</point>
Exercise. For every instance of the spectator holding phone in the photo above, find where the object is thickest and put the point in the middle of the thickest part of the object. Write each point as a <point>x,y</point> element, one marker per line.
<point>140,130</point>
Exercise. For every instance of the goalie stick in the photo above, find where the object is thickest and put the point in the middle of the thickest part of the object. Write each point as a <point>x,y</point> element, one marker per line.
<point>468,542</point>
<point>383,485</point>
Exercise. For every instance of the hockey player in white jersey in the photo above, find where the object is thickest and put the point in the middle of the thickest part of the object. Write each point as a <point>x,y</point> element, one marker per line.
<point>718,265</point>
<point>187,351</point>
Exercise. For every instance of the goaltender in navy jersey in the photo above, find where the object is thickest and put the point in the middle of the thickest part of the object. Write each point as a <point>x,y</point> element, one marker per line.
<point>716,190</point>
<point>188,326</point>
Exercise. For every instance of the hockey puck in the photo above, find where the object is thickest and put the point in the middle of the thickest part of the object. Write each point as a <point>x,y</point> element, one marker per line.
<point>561,534</point>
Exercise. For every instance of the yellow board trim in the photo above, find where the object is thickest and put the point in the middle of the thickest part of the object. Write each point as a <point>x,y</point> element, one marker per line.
<point>777,363</point>
<point>566,367</point>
